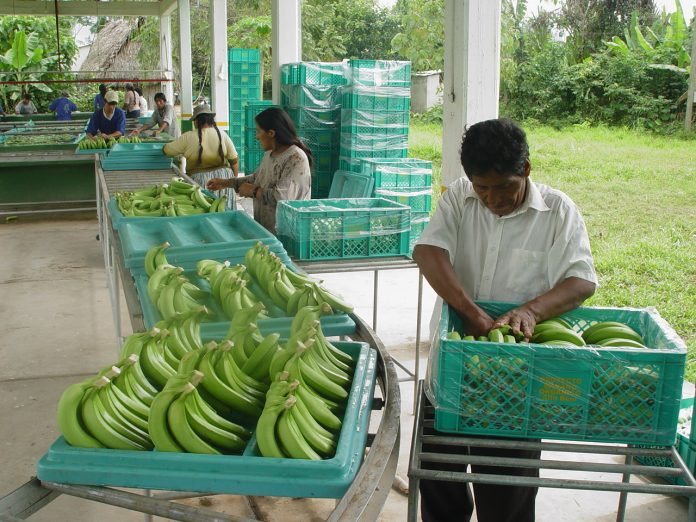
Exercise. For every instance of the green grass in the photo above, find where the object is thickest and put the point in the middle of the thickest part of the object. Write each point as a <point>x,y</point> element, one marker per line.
<point>637,193</point>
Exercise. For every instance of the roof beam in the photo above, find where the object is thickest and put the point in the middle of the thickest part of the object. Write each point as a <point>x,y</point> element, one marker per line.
<point>78,8</point>
<point>167,7</point>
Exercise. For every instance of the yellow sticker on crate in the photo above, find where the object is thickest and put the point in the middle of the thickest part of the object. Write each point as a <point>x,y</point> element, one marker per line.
<point>560,389</point>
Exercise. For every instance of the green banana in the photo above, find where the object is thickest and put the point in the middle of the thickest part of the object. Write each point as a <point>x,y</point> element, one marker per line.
<point>291,439</point>
<point>319,439</point>
<point>558,334</point>
<point>496,336</point>
<point>266,428</point>
<point>336,302</point>
<point>257,364</point>
<point>318,408</point>
<point>620,342</point>
<point>155,257</point>
<point>181,429</point>
<point>208,431</point>
<point>158,425</point>
<point>212,416</point>
<point>610,332</point>
<point>102,426</point>
<point>69,416</point>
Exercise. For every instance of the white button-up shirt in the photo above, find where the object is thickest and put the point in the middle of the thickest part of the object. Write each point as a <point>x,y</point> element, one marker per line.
<point>513,258</point>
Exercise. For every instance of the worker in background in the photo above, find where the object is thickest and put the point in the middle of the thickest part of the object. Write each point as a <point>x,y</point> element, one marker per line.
<point>131,104</point>
<point>110,121</point>
<point>163,119</point>
<point>26,106</point>
<point>99,100</point>
<point>63,107</point>
<point>143,101</point>
<point>498,236</point>
<point>209,153</point>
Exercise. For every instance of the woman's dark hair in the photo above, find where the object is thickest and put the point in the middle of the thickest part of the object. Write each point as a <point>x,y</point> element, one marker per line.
<point>129,87</point>
<point>278,120</point>
<point>102,89</point>
<point>208,119</point>
<point>499,145</point>
<point>139,91</point>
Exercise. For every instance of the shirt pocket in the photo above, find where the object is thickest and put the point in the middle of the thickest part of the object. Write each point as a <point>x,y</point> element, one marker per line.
<point>527,271</point>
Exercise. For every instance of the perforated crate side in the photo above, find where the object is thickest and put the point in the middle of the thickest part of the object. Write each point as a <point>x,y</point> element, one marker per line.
<point>398,172</point>
<point>380,72</point>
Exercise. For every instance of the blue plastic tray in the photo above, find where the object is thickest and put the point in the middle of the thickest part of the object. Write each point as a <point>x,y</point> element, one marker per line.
<point>247,474</point>
<point>215,235</point>
<point>347,184</point>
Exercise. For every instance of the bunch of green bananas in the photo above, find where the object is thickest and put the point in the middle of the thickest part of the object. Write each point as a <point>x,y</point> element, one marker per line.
<point>288,290</point>
<point>96,143</point>
<point>612,334</point>
<point>310,379</point>
<point>229,285</point>
<point>176,198</point>
<point>102,412</point>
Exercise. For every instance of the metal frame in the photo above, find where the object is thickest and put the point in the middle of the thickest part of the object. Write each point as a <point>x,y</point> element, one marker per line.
<point>423,430</point>
<point>363,500</point>
<point>374,265</point>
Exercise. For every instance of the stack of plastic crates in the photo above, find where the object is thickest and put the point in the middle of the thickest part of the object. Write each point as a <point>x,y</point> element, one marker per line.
<point>408,181</point>
<point>375,112</point>
<point>311,96</point>
<point>253,153</point>
<point>244,67</point>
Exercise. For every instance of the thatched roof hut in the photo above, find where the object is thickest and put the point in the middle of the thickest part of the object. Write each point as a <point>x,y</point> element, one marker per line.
<point>115,54</point>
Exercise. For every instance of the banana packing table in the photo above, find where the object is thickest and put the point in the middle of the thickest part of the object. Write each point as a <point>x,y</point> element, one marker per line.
<point>374,265</point>
<point>421,464</point>
<point>363,499</point>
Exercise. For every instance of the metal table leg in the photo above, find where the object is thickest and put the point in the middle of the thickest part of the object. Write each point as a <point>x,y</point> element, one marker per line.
<point>375,292</point>
<point>419,312</point>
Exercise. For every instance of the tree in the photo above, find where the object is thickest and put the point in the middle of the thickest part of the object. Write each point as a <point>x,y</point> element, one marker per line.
<point>590,23</point>
<point>422,34</point>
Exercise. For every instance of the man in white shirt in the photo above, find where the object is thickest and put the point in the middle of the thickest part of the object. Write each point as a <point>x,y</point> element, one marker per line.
<point>496,235</point>
<point>163,119</point>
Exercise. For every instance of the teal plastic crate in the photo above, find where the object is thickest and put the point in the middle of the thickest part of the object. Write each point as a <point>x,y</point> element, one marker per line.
<point>313,73</point>
<point>361,153</point>
<point>244,80</point>
<point>246,474</point>
<point>235,54</point>
<point>398,172</point>
<point>349,164</point>
<point>245,93</point>
<point>252,159</point>
<point>419,220</point>
<point>622,395</point>
<point>191,237</point>
<point>321,184</point>
<point>357,121</point>
<point>347,184</point>
<point>311,96</point>
<point>380,72</point>
<point>325,138</point>
<point>308,118</point>
<point>371,141</point>
<point>324,161</point>
<point>248,68</point>
<point>343,228</point>
<point>378,99</point>
<point>418,198</point>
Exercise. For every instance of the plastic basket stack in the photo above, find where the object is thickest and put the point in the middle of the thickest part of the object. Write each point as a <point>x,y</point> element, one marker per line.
<point>253,153</point>
<point>244,66</point>
<point>404,180</point>
<point>311,96</point>
<point>375,112</point>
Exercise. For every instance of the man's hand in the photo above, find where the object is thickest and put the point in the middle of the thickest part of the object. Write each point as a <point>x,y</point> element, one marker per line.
<point>135,132</point>
<point>521,320</point>
<point>476,322</point>
<point>218,184</point>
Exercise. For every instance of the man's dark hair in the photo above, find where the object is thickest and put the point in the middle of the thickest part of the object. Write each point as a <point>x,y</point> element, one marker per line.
<point>160,96</point>
<point>499,145</point>
<point>102,89</point>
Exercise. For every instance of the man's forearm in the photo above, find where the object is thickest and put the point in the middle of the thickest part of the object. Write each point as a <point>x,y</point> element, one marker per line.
<point>566,295</point>
<point>437,269</point>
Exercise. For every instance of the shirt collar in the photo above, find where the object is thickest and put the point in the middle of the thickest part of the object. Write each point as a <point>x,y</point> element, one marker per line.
<point>533,200</point>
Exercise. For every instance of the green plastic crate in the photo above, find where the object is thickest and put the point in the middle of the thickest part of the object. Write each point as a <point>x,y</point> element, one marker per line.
<point>418,198</point>
<point>378,141</point>
<point>244,80</point>
<point>308,118</point>
<point>325,138</point>
<point>380,72</point>
<point>379,99</point>
<point>398,172</point>
<point>245,92</point>
<point>235,54</point>
<point>312,96</point>
<point>248,68</point>
<point>419,220</point>
<point>622,395</point>
<point>324,160</point>
<point>321,184</point>
<point>358,154</point>
<point>252,159</point>
<point>356,121</point>
<point>343,228</point>
<point>313,73</point>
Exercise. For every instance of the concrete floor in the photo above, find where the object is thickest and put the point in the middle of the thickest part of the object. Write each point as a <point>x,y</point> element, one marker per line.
<point>56,326</point>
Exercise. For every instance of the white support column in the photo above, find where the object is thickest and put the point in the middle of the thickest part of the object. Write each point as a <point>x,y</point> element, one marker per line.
<point>286,39</point>
<point>185,68</point>
<point>218,66</point>
<point>166,61</point>
<point>471,76</point>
